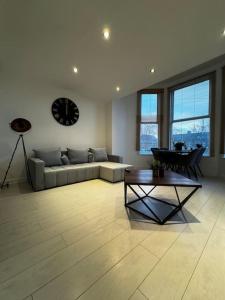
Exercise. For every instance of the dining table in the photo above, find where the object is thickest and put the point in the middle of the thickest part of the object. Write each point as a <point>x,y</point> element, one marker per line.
<point>183,151</point>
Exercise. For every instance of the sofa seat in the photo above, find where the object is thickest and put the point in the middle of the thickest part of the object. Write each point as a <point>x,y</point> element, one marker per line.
<point>62,175</point>
<point>67,174</point>
<point>112,171</point>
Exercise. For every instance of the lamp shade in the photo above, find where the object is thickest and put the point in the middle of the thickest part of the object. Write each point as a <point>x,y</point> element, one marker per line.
<point>20,125</point>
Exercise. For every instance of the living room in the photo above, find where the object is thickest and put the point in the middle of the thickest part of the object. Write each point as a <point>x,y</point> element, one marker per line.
<point>97,200</point>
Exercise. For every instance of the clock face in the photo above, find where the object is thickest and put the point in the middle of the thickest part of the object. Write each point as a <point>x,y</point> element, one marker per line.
<point>65,111</point>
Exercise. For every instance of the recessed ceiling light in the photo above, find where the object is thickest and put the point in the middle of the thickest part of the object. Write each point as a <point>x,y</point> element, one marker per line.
<point>152,70</point>
<point>117,88</point>
<point>106,33</point>
<point>223,33</point>
<point>75,69</point>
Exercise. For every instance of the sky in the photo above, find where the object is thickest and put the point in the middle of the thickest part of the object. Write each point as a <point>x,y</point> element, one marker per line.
<point>192,101</point>
<point>149,107</point>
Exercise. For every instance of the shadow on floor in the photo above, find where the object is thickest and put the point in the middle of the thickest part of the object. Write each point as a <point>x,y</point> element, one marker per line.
<point>182,217</point>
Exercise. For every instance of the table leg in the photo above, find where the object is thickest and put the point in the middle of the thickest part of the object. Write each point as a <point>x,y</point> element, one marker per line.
<point>179,207</point>
<point>125,193</point>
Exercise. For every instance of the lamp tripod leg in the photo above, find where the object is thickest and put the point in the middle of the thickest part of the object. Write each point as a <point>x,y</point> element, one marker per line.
<point>10,162</point>
<point>26,163</point>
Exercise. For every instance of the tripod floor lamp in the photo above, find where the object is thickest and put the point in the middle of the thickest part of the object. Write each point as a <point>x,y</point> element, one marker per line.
<point>20,126</point>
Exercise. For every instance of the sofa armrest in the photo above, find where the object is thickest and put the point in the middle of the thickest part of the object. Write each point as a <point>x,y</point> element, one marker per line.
<point>36,167</point>
<point>115,158</point>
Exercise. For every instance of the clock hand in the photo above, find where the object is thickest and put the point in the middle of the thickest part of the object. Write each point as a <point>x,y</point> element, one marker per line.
<point>66,109</point>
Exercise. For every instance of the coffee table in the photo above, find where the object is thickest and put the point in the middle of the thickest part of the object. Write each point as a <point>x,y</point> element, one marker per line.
<point>158,210</point>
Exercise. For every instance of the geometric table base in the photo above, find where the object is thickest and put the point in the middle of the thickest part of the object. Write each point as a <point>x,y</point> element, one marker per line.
<point>158,210</point>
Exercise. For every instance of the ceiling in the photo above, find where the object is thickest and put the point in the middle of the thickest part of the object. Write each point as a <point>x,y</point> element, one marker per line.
<point>41,41</point>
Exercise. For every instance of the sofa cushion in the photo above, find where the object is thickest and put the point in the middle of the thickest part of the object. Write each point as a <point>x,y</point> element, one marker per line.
<point>51,157</point>
<point>90,157</point>
<point>64,152</point>
<point>77,156</point>
<point>99,154</point>
<point>65,159</point>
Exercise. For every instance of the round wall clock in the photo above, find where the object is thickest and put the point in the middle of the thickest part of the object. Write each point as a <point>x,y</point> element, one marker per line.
<point>65,111</point>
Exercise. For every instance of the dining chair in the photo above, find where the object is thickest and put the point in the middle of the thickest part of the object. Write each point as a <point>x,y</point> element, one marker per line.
<point>188,162</point>
<point>155,153</point>
<point>169,159</point>
<point>166,157</point>
<point>198,159</point>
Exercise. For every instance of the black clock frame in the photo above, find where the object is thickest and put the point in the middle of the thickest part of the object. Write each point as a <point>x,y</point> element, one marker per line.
<point>65,111</point>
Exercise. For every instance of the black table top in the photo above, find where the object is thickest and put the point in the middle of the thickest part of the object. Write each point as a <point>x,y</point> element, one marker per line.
<point>145,177</point>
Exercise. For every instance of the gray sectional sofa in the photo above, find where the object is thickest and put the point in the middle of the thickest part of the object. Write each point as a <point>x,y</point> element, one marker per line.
<point>44,176</point>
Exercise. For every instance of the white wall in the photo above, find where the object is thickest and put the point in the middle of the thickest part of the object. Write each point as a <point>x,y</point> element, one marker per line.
<point>124,121</point>
<point>34,102</point>
<point>108,131</point>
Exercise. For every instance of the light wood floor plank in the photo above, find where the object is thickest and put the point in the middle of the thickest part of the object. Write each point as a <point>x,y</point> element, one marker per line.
<point>170,277</point>
<point>160,240</point>
<point>30,240</point>
<point>19,263</point>
<point>69,286</point>
<point>208,281</point>
<point>221,220</point>
<point>121,282</point>
<point>137,296</point>
<point>72,235</point>
<point>33,278</point>
<point>19,233</point>
<point>74,228</point>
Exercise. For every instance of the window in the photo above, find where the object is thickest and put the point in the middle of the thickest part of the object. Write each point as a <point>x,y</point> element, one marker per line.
<point>148,120</point>
<point>192,113</point>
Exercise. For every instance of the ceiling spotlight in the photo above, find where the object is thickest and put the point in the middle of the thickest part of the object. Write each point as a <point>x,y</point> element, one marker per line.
<point>152,70</point>
<point>106,33</point>
<point>117,88</point>
<point>75,69</point>
<point>223,33</point>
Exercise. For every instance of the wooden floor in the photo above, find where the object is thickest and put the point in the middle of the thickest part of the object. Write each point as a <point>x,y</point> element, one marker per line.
<point>77,242</point>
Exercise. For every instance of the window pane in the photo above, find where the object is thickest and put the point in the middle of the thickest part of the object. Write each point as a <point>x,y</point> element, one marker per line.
<point>149,108</point>
<point>192,133</point>
<point>191,101</point>
<point>149,137</point>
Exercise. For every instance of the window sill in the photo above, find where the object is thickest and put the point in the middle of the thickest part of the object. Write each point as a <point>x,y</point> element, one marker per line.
<point>208,156</point>
<point>144,153</point>
<point>150,154</point>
